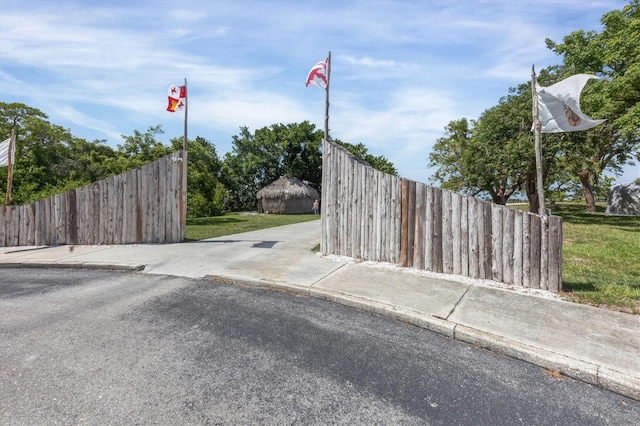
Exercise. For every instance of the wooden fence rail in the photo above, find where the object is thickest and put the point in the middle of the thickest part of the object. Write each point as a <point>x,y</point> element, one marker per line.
<point>145,205</point>
<point>370,215</point>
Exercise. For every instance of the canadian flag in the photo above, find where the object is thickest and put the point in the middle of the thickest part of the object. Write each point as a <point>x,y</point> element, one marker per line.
<point>177,97</point>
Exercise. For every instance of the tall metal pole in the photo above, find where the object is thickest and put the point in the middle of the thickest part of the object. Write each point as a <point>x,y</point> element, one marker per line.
<point>326,105</point>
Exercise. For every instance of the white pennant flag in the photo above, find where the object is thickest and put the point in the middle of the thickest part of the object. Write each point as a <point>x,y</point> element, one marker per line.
<point>4,153</point>
<point>559,106</point>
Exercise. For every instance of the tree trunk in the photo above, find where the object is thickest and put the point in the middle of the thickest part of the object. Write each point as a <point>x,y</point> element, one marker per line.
<point>532,193</point>
<point>587,189</point>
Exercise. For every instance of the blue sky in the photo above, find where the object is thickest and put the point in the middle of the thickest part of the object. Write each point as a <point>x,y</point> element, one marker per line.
<point>401,70</point>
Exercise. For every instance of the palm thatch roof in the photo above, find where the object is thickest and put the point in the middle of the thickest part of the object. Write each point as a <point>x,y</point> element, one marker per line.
<point>286,195</point>
<point>287,187</point>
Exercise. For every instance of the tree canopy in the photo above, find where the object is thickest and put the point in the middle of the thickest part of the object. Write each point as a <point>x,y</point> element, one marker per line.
<point>494,154</point>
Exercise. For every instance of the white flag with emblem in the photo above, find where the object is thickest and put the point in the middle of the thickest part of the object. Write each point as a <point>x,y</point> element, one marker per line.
<point>559,106</point>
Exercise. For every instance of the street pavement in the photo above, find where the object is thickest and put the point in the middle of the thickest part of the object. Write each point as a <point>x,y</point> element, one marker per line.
<point>594,345</point>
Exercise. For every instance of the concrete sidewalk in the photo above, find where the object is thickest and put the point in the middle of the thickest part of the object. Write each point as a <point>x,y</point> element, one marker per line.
<point>598,346</point>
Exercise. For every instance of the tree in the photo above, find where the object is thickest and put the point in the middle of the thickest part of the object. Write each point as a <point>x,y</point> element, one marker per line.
<point>493,154</point>
<point>49,159</point>
<point>377,162</point>
<point>614,55</point>
<point>206,195</point>
<point>446,157</point>
<point>271,152</point>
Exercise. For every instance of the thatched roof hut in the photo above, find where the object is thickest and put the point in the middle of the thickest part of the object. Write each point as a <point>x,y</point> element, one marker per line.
<point>287,195</point>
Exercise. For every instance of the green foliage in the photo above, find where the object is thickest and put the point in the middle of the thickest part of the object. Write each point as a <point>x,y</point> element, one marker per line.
<point>377,162</point>
<point>49,159</point>
<point>206,195</point>
<point>271,152</point>
<point>446,157</point>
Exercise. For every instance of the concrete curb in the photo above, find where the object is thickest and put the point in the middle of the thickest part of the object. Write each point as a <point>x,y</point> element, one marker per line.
<point>75,265</point>
<point>605,378</point>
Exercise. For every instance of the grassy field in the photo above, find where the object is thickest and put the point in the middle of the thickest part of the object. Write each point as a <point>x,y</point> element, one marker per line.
<point>235,223</point>
<point>601,258</point>
<point>601,254</point>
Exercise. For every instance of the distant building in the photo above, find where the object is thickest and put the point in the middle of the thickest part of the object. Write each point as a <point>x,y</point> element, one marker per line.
<point>287,195</point>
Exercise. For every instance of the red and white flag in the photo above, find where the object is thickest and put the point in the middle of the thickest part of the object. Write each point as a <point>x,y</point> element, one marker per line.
<point>177,97</point>
<point>318,75</point>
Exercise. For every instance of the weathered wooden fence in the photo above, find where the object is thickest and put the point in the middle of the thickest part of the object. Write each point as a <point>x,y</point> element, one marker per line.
<point>145,205</point>
<point>370,215</point>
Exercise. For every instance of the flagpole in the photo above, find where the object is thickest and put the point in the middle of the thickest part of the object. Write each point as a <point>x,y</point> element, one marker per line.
<point>542,211</point>
<point>186,106</point>
<point>326,104</point>
<point>12,141</point>
<point>537,126</point>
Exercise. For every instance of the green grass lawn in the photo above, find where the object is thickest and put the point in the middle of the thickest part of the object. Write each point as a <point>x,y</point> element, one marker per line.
<point>601,257</point>
<point>235,223</point>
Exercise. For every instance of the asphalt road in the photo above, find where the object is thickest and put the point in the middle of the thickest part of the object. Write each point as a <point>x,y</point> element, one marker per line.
<point>94,347</point>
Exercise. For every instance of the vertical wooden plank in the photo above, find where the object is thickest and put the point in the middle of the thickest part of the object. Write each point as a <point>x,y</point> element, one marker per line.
<point>412,223</point>
<point>486,260</point>
<point>419,242</point>
<point>80,215</point>
<point>3,226</point>
<point>72,217</point>
<point>154,198</point>
<point>507,245</point>
<point>13,216</point>
<point>456,237</point>
<point>163,173</point>
<point>555,254</point>
<point>496,242</point>
<point>474,228</point>
<point>526,244</point>
<point>447,233</point>
<point>108,210</point>
<point>37,233</point>
<point>389,223</point>
<point>332,206</point>
<point>464,236</point>
<point>395,217</point>
<point>428,235</point>
<point>366,215</point>
<point>534,250</point>
<point>385,212</point>
<point>437,230</point>
<point>21,229</point>
<point>338,205</point>
<point>96,220</point>
<point>404,229</point>
<point>379,236</point>
<point>517,248</point>
<point>141,206</point>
